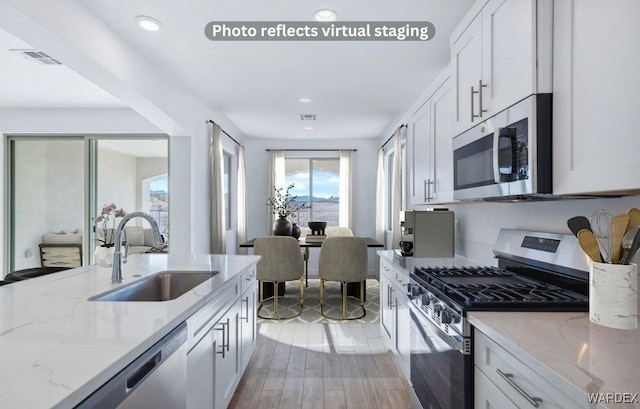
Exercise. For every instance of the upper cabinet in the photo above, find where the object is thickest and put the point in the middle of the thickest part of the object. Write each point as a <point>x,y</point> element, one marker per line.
<point>595,91</point>
<point>500,54</point>
<point>429,150</point>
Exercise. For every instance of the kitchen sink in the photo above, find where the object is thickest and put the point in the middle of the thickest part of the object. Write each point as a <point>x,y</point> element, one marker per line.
<point>162,286</point>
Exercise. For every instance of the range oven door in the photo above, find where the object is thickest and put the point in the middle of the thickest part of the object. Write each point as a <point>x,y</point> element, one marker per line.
<point>442,376</point>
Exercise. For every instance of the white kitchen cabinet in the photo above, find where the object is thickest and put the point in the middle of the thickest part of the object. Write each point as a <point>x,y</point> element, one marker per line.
<point>394,311</point>
<point>429,151</point>
<point>502,380</point>
<point>500,54</point>
<point>595,108</point>
<point>214,360</point>
<point>248,328</point>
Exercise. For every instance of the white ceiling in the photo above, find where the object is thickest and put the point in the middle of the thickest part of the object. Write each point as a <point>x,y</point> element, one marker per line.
<point>358,88</point>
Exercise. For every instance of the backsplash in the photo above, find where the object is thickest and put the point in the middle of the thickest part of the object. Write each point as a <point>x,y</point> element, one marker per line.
<point>480,222</point>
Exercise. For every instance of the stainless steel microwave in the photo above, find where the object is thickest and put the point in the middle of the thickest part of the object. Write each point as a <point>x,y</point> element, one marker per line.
<point>508,155</point>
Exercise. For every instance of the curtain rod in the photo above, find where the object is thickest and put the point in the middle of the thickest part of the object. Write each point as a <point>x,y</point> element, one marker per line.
<point>400,127</point>
<point>310,150</point>
<point>209,121</point>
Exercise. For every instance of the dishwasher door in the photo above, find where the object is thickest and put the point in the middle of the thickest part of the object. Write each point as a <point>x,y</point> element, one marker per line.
<point>155,380</point>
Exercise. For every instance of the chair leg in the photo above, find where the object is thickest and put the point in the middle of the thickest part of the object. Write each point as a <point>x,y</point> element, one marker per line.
<point>344,302</point>
<point>276,302</point>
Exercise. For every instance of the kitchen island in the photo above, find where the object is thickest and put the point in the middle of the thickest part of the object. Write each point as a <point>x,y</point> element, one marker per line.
<point>57,347</point>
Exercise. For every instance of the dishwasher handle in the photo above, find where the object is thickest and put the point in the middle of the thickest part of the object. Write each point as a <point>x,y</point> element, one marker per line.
<point>143,371</point>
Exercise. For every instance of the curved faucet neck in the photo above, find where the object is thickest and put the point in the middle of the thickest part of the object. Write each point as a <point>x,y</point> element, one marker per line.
<point>117,275</point>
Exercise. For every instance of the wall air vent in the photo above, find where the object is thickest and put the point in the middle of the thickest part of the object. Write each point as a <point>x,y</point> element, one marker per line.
<point>37,57</point>
<point>308,117</point>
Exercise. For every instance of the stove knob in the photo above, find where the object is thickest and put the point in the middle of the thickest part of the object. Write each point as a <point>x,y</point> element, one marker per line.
<point>426,300</point>
<point>445,317</point>
<point>437,309</point>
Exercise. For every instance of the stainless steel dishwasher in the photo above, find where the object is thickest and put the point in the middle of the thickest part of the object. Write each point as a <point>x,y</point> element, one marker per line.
<point>156,379</point>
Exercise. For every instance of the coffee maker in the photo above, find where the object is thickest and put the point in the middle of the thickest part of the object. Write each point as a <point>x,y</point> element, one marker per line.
<point>427,233</point>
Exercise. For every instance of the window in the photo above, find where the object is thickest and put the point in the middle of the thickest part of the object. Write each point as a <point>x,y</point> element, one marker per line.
<point>317,186</point>
<point>227,187</point>
<point>388,164</point>
<point>159,202</point>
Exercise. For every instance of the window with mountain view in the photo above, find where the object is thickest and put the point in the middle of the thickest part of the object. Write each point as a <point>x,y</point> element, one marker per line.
<point>317,186</point>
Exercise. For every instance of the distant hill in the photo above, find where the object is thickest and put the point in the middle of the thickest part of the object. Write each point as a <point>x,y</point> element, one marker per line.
<point>332,199</point>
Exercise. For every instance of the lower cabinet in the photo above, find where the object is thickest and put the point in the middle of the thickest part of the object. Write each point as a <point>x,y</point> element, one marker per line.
<point>222,338</point>
<point>394,312</point>
<point>503,381</point>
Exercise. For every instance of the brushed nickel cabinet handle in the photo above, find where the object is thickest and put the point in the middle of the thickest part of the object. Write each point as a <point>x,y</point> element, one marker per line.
<point>246,299</point>
<point>223,337</point>
<point>228,334</point>
<point>480,86</point>
<point>508,377</point>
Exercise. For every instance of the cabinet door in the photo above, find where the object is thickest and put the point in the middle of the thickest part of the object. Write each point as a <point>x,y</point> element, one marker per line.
<point>248,323</point>
<point>227,365</point>
<point>595,88</point>
<point>442,107</point>
<point>486,394</point>
<point>508,53</point>
<point>419,155</point>
<point>386,311</point>
<point>201,373</point>
<point>466,60</point>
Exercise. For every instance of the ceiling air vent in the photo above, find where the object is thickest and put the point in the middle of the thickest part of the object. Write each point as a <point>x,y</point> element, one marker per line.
<point>37,57</point>
<point>308,117</point>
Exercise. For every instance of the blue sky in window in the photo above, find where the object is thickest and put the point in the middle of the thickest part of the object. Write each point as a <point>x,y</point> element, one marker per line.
<point>160,184</point>
<point>325,184</point>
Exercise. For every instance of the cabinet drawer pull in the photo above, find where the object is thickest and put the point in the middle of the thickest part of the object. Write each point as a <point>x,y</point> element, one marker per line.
<point>427,190</point>
<point>228,334</point>
<point>246,299</point>
<point>508,377</point>
<point>222,350</point>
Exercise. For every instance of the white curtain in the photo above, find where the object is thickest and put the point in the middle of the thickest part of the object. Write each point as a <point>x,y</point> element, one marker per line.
<point>396,189</point>
<point>217,243</point>
<point>276,180</point>
<point>242,200</point>
<point>345,210</point>
<point>380,198</point>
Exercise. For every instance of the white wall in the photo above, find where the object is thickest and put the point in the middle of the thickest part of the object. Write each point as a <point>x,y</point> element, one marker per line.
<point>480,222</point>
<point>258,190</point>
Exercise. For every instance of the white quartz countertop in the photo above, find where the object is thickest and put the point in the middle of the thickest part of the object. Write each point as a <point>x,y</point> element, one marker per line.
<point>57,347</point>
<point>569,351</point>
<point>408,263</point>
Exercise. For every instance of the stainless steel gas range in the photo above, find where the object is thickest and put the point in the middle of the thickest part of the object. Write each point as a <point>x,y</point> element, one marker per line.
<point>536,272</point>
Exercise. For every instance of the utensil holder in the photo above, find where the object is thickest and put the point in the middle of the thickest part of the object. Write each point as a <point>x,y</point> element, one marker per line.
<point>613,295</point>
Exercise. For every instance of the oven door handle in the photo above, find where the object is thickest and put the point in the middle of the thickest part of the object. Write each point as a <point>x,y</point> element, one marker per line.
<point>496,155</point>
<point>419,318</point>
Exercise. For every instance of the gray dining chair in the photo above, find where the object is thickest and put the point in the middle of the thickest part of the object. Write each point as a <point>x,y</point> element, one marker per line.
<point>281,261</point>
<point>343,259</point>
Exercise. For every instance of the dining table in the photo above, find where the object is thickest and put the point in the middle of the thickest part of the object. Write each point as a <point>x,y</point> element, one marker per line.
<point>353,289</point>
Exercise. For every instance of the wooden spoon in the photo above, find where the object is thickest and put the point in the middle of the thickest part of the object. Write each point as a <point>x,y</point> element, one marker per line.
<point>589,245</point>
<point>634,217</point>
<point>617,230</point>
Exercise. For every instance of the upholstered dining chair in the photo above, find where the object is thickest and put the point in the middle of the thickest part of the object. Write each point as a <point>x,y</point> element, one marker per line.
<point>281,261</point>
<point>334,231</point>
<point>343,259</point>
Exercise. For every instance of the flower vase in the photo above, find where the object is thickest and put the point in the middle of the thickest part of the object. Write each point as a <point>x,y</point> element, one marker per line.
<point>282,227</point>
<point>295,231</point>
<point>103,256</point>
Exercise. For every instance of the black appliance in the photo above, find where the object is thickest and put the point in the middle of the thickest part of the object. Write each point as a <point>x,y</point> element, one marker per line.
<point>536,272</point>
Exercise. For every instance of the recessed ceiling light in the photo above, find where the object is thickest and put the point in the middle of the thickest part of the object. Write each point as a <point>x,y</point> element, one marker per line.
<point>325,15</point>
<point>308,128</point>
<point>148,23</point>
<point>304,100</point>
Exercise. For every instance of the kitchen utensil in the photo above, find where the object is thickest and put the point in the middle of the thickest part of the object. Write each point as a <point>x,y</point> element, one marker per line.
<point>600,221</point>
<point>578,223</point>
<point>617,230</point>
<point>634,248</point>
<point>634,217</point>
<point>589,244</point>
<point>627,242</point>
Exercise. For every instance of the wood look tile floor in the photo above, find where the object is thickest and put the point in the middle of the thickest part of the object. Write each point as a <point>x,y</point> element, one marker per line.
<point>321,366</point>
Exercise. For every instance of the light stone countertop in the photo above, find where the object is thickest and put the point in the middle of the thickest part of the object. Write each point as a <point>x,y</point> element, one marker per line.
<point>56,347</point>
<point>569,351</point>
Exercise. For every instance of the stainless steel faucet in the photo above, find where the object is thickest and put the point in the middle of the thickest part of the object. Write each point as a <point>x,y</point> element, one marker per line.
<point>118,260</point>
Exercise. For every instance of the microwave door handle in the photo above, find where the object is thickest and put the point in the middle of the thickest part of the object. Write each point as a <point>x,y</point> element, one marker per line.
<point>496,153</point>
